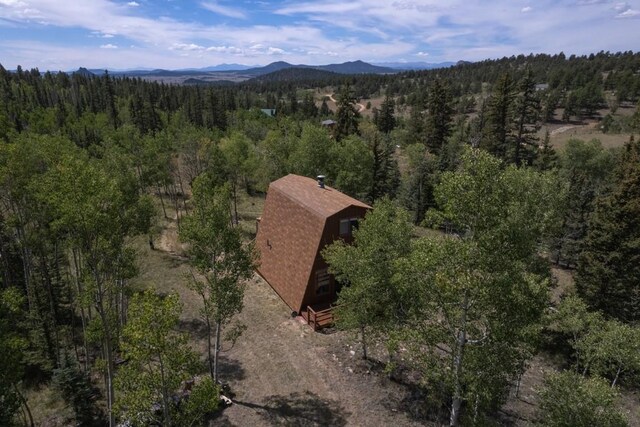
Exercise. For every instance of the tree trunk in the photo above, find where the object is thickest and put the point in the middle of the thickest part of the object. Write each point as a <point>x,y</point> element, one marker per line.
<point>110,369</point>
<point>108,348</point>
<point>24,404</point>
<point>615,380</point>
<point>209,356</point>
<point>457,364</point>
<point>165,395</point>
<point>235,204</point>
<point>217,351</point>
<point>364,342</point>
<point>76,265</point>
<point>164,210</point>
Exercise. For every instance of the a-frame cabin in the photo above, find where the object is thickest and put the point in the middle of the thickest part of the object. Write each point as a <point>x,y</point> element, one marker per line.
<point>302,216</point>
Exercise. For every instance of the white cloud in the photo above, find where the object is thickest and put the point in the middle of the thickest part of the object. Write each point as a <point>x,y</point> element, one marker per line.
<point>621,7</point>
<point>101,35</point>
<point>275,51</point>
<point>629,13</point>
<point>224,49</point>
<point>133,4</point>
<point>108,46</point>
<point>186,46</point>
<point>526,9</point>
<point>12,3</point>
<point>219,9</point>
<point>422,54</point>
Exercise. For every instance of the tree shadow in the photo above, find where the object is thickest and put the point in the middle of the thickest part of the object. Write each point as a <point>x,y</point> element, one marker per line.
<point>230,369</point>
<point>195,327</point>
<point>300,409</point>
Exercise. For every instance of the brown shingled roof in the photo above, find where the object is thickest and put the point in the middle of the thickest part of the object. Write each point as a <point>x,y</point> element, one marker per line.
<point>322,201</point>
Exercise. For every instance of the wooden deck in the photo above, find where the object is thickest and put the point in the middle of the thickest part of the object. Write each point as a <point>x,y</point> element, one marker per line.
<point>319,316</point>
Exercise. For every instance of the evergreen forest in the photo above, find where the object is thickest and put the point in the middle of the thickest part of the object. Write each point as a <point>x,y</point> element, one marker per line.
<point>503,233</point>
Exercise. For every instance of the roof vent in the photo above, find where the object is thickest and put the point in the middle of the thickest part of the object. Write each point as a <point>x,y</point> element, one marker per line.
<point>321,181</point>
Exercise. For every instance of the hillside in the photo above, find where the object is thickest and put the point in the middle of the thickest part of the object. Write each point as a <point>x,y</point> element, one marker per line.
<point>295,74</point>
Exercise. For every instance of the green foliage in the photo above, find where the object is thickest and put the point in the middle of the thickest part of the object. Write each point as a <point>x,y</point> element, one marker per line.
<point>526,116</point>
<point>490,204</point>
<point>418,183</point>
<point>204,399</point>
<point>585,168</point>
<point>573,319</point>
<point>313,154</point>
<point>608,275</point>
<point>568,399</point>
<point>475,300</point>
<point>158,360</point>
<point>385,120</point>
<point>346,114</point>
<point>355,175</point>
<point>77,390</point>
<point>610,349</point>
<point>12,346</point>
<point>546,158</point>
<point>369,299</point>
<point>223,261</point>
<point>499,112</point>
<point>439,117</point>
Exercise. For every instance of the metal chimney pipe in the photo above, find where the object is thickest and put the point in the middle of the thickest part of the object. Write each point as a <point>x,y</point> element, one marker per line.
<point>320,181</point>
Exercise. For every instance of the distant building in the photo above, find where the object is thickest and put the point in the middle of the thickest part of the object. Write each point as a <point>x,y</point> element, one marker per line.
<point>328,123</point>
<point>271,112</point>
<point>542,86</point>
<point>301,217</point>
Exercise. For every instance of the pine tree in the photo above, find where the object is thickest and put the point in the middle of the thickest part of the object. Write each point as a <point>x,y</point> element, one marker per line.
<point>324,108</point>
<point>547,158</point>
<point>496,137</point>
<point>385,120</point>
<point>439,117</point>
<point>608,275</point>
<point>527,110</point>
<point>346,115</point>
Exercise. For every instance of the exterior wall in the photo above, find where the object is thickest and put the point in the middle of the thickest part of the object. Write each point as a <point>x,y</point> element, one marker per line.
<point>330,233</point>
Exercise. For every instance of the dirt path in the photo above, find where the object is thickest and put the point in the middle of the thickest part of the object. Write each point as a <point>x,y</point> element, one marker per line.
<point>361,107</point>
<point>283,373</point>
<point>561,130</point>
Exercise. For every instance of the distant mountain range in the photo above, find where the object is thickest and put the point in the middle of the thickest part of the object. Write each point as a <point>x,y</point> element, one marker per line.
<point>238,72</point>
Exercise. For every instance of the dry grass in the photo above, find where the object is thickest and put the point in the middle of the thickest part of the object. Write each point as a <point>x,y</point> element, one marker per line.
<point>47,408</point>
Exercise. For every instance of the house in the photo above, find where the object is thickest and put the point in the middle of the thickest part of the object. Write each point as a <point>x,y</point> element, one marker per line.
<point>328,123</point>
<point>301,217</point>
<point>271,112</point>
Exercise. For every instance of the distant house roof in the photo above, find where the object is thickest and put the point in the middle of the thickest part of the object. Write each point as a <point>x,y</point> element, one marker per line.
<point>328,122</point>
<point>322,201</point>
<point>269,111</point>
<point>542,86</point>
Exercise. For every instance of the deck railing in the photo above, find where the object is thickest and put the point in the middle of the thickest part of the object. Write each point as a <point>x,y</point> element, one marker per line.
<point>319,319</point>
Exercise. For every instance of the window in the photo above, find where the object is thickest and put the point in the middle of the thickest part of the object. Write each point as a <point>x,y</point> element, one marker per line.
<point>323,282</point>
<point>347,226</point>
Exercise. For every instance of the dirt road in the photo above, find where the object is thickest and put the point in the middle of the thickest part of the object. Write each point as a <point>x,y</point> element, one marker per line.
<point>361,107</point>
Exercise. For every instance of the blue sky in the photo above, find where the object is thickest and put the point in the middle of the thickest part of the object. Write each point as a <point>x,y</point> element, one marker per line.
<point>66,34</point>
